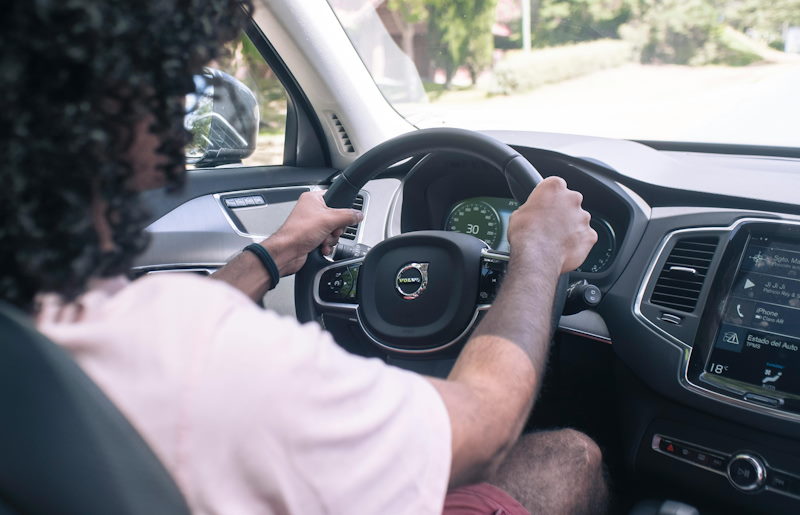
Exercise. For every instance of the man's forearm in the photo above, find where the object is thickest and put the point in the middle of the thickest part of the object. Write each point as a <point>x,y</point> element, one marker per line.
<point>521,315</point>
<point>503,363</point>
<point>246,273</point>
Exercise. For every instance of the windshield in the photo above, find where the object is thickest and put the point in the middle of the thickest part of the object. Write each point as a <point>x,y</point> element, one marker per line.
<point>674,70</point>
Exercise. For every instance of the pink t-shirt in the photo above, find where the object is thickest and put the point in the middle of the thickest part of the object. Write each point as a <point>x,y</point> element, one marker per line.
<point>252,412</point>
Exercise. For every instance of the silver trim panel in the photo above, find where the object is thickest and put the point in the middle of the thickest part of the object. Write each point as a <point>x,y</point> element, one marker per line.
<point>208,268</point>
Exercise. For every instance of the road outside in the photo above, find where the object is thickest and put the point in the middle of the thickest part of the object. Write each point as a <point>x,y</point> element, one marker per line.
<point>756,104</point>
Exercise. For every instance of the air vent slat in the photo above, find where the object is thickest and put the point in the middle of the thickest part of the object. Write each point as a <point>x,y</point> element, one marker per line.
<point>351,231</point>
<point>677,287</point>
<point>344,139</point>
<point>677,290</point>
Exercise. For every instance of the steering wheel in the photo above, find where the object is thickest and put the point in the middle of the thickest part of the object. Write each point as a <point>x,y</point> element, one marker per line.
<point>418,292</point>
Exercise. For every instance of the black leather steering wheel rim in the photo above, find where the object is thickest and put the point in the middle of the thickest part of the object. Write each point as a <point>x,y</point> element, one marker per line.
<point>520,174</point>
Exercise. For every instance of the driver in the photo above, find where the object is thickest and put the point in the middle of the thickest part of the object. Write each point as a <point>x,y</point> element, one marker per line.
<point>251,412</point>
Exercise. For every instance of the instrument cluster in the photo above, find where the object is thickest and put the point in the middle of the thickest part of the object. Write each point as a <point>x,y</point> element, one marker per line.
<point>487,218</point>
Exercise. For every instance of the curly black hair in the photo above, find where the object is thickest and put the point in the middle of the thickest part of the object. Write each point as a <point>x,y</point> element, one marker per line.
<point>76,77</point>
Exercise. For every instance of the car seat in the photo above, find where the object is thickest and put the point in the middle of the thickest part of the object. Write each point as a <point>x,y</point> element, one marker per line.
<point>64,447</point>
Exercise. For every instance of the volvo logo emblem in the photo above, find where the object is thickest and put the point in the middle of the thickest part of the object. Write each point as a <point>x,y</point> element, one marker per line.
<point>412,280</point>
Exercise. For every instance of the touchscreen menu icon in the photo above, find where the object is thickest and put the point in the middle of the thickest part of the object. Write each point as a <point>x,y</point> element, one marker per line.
<point>772,373</point>
<point>731,338</point>
<point>740,312</point>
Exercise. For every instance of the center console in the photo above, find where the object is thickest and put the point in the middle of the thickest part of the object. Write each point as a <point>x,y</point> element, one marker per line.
<point>727,298</point>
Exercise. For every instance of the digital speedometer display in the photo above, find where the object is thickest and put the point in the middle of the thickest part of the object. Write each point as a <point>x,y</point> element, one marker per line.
<point>478,218</point>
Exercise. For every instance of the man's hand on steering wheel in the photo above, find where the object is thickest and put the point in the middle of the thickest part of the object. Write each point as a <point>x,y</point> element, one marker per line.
<point>552,223</point>
<point>311,224</point>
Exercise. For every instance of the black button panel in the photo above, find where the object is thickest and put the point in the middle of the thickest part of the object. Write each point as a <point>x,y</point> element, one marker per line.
<point>693,454</point>
<point>339,285</point>
<point>780,481</point>
<point>745,471</point>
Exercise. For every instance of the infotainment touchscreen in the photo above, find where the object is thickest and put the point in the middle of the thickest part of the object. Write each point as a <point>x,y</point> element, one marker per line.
<point>758,341</point>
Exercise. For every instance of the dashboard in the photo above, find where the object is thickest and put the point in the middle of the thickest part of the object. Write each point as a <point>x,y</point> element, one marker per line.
<point>701,299</point>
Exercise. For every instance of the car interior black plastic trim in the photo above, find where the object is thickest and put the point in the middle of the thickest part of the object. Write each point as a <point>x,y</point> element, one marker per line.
<point>722,148</point>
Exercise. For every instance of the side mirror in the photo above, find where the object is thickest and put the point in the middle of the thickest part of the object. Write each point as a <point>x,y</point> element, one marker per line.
<point>223,119</point>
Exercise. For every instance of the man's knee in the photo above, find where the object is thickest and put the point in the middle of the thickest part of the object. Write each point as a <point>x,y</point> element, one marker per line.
<point>562,447</point>
<point>583,450</point>
<point>555,472</point>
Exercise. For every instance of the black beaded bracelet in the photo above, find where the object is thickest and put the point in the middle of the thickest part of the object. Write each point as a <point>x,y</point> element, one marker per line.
<point>266,260</point>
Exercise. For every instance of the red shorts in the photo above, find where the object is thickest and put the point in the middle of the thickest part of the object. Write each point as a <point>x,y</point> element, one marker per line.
<point>481,499</point>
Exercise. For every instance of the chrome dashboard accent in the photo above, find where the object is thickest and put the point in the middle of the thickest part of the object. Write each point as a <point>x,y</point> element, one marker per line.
<point>684,269</point>
<point>686,349</point>
<point>207,268</point>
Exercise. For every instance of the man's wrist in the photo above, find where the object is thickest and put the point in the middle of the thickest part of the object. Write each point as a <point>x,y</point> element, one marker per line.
<point>538,256</point>
<point>282,250</point>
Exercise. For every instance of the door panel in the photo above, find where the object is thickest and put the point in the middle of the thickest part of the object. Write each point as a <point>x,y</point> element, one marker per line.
<point>199,232</point>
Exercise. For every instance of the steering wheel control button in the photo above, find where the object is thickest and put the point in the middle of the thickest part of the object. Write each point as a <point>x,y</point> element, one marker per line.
<point>412,280</point>
<point>339,285</point>
<point>581,296</point>
<point>746,472</point>
<point>492,273</point>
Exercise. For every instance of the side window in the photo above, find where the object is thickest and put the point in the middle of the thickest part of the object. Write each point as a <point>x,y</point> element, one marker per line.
<point>242,61</point>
